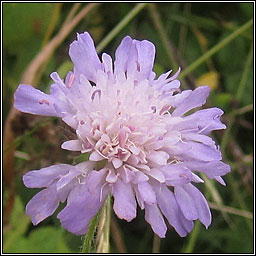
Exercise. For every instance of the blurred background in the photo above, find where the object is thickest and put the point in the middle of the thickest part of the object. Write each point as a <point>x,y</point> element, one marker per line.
<point>211,42</point>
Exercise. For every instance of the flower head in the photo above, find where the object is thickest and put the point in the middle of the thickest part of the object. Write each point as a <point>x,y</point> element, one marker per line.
<point>138,128</point>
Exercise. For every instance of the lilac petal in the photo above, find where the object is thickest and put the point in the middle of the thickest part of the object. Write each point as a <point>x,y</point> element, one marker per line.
<point>146,55</point>
<point>63,98</point>
<point>174,76</point>
<point>179,98</point>
<point>70,89</point>
<point>156,174</point>
<point>196,178</point>
<point>202,121</point>
<point>84,56</point>
<point>112,176</point>
<point>199,138</point>
<point>140,177</point>
<point>95,156</point>
<point>77,215</point>
<point>57,89</point>
<point>117,162</point>
<point>71,121</point>
<point>45,176</point>
<point>154,217</point>
<point>158,157</point>
<point>134,150</point>
<point>211,169</point>
<point>30,100</point>
<point>176,174</point>
<point>193,204</point>
<point>147,193</point>
<point>82,206</point>
<point>194,150</point>
<point>203,152</point>
<point>169,86</point>
<point>133,66</point>
<point>126,173</point>
<point>196,98</point>
<point>171,138</point>
<point>124,203</point>
<point>42,205</point>
<point>72,145</point>
<point>220,180</point>
<point>169,207</point>
<point>64,180</point>
<point>64,191</point>
<point>122,55</point>
<point>161,80</point>
<point>107,61</point>
<point>95,179</point>
<point>139,198</point>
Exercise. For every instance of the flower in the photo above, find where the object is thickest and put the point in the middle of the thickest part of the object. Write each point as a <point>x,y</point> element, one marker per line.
<point>138,129</point>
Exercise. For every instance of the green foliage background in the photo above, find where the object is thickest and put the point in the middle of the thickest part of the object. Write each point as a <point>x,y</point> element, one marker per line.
<point>191,29</point>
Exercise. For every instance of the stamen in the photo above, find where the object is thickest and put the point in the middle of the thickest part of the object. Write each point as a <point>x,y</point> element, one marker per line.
<point>164,109</point>
<point>184,176</point>
<point>201,129</point>
<point>80,181</point>
<point>71,80</point>
<point>154,109</point>
<point>175,75</point>
<point>132,129</point>
<point>138,66</point>
<point>43,101</point>
<point>122,136</point>
<point>94,93</point>
<point>101,190</point>
<point>106,149</point>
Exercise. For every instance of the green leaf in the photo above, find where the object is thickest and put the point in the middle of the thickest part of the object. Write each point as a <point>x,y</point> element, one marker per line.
<point>42,240</point>
<point>28,20</point>
<point>19,222</point>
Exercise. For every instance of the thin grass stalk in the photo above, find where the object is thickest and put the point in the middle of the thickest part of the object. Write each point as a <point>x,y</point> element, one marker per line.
<point>215,49</point>
<point>123,23</point>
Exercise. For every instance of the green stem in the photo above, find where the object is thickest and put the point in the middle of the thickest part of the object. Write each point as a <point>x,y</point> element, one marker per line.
<point>192,238</point>
<point>215,49</point>
<point>105,248</point>
<point>87,245</point>
<point>104,231</point>
<point>120,26</point>
<point>156,244</point>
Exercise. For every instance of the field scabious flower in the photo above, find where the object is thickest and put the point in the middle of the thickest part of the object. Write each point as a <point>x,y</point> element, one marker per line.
<point>150,150</point>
